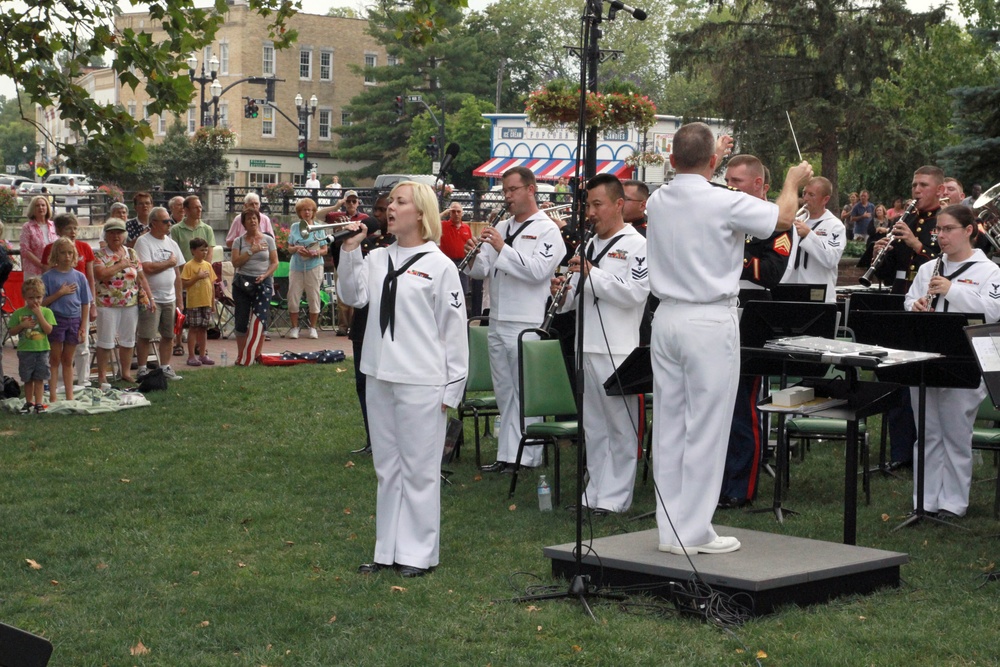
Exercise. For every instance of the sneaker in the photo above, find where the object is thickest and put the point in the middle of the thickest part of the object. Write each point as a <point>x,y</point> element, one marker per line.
<point>169,373</point>
<point>720,545</point>
<point>193,361</point>
<point>313,333</point>
<point>40,408</point>
<point>143,372</point>
<point>27,408</point>
<point>293,332</point>
<point>206,361</point>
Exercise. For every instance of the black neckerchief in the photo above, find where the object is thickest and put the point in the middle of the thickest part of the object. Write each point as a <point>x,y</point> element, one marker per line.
<point>799,251</point>
<point>596,261</point>
<point>387,308</point>
<point>955,274</point>
<point>509,239</point>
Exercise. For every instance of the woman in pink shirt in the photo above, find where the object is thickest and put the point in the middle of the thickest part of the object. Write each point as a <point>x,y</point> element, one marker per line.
<point>36,233</point>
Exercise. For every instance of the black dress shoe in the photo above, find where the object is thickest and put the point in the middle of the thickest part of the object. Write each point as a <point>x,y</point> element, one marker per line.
<point>372,568</point>
<point>496,466</point>
<point>409,572</point>
<point>732,503</point>
<point>367,449</point>
<point>509,468</point>
<point>898,465</point>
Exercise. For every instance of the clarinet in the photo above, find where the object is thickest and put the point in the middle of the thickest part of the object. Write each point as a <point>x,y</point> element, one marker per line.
<point>866,279</point>
<point>554,306</point>
<point>932,299</point>
<point>472,253</point>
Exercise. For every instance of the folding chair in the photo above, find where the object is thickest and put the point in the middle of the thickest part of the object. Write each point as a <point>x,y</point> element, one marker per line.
<point>225,307</point>
<point>479,381</point>
<point>278,314</point>
<point>545,392</point>
<point>987,438</point>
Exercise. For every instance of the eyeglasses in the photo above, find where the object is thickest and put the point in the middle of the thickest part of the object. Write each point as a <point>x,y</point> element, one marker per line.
<point>946,228</point>
<point>509,191</point>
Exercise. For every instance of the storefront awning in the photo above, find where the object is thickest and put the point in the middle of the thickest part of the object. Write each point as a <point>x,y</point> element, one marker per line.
<point>545,170</point>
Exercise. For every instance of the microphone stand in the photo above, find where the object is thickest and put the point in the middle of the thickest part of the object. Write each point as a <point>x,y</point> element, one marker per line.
<point>580,586</point>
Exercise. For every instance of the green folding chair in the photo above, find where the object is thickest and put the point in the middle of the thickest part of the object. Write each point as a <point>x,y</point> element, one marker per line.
<point>987,438</point>
<point>545,392</point>
<point>478,399</point>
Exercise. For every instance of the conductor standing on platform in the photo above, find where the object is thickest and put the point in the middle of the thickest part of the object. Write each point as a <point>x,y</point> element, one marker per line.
<point>695,244</point>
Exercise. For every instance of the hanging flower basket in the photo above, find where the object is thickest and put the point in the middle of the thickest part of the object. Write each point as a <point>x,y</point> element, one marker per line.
<point>558,104</point>
<point>113,192</point>
<point>215,137</point>
<point>645,159</point>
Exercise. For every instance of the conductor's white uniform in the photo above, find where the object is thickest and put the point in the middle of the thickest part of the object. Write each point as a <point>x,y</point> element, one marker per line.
<point>816,257</point>
<point>415,365</point>
<point>519,274</point>
<point>695,244</point>
<point>952,412</point>
<point>613,300</point>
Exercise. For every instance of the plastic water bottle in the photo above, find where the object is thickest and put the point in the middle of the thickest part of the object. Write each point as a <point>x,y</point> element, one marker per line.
<point>224,357</point>
<point>544,495</point>
<point>95,398</point>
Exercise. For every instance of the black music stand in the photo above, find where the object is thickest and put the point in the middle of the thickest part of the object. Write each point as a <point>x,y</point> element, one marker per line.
<point>19,648</point>
<point>869,301</point>
<point>941,333</point>
<point>985,342</point>
<point>763,321</point>
<point>802,293</point>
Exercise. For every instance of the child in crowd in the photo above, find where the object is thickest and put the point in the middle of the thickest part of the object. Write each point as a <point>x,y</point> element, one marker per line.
<point>69,298</point>
<point>32,324</point>
<point>198,279</point>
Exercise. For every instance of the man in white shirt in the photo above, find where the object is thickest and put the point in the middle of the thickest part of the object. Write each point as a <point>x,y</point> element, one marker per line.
<point>312,183</point>
<point>821,240</point>
<point>162,261</point>
<point>520,256</point>
<point>695,241</point>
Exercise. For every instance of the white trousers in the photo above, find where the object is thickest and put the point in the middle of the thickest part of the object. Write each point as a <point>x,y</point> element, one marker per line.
<point>610,424</point>
<point>947,447</point>
<point>502,340</point>
<point>696,365</point>
<point>407,444</point>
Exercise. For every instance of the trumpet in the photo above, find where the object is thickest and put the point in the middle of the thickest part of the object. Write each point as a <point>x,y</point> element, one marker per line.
<point>552,210</point>
<point>493,222</point>
<point>340,229</point>
<point>866,279</point>
<point>988,206</point>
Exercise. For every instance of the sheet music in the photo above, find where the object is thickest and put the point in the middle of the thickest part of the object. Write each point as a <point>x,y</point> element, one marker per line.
<point>986,349</point>
<point>835,350</point>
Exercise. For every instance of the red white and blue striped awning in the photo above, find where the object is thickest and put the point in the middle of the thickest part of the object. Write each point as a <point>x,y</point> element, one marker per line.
<point>545,170</point>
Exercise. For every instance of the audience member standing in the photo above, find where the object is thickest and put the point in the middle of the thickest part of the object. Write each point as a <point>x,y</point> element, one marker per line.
<point>161,262</point>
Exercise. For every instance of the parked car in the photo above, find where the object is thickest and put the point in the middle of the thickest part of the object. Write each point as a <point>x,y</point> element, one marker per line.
<point>58,184</point>
<point>13,182</point>
<point>30,188</point>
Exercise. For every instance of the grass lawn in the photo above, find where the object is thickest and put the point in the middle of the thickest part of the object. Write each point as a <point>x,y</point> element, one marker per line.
<point>223,526</point>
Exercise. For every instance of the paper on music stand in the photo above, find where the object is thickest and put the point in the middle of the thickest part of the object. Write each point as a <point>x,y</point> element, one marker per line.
<point>987,352</point>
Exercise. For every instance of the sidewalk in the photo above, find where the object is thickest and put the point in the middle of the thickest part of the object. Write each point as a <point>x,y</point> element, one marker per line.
<point>327,341</point>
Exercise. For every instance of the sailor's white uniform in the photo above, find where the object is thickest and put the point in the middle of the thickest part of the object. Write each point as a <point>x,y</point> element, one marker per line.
<point>695,245</point>
<point>816,257</point>
<point>415,365</point>
<point>519,288</point>
<point>611,331</point>
<point>952,412</point>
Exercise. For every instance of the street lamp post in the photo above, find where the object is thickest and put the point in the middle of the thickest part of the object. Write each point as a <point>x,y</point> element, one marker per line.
<point>204,80</point>
<point>304,113</point>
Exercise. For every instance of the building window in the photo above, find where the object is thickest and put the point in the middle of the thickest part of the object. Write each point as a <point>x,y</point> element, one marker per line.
<point>305,63</point>
<point>324,123</point>
<point>206,58</point>
<point>223,58</point>
<point>298,180</point>
<point>161,125</point>
<point>345,118</point>
<point>258,179</point>
<point>192,119</point>
<point>224,114</point>
<point>131,109</point>
<point>392,61</point>
<point>266,121</point>
<point>267,69</point>
<point>371,60</point>
<point>326,66</point>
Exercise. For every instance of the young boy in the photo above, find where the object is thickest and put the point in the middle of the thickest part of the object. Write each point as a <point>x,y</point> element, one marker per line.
<point>32,325</point>
<point>198,279</point>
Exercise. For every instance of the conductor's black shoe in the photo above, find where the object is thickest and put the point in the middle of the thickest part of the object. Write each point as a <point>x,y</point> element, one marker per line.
<point>496,466</point>
<point>898,465</point>
<point>509,468</point>
<point>372,568</point>
<point>367,449</point>
<point>948,514</point>
<point>732,503</point>
<point>409,572</point>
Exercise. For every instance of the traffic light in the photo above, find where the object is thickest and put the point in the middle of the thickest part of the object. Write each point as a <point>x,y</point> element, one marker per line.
<point>251,110</point>
<point>432,147</point>
<point>302,148</point>
<point>400,105</point>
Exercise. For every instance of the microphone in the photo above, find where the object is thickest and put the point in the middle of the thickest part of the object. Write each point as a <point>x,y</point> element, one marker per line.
<point>449,157</point>
<point>639,14</point>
